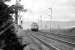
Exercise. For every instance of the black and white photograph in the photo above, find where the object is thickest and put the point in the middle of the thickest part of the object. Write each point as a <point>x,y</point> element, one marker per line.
<point>37,24</point>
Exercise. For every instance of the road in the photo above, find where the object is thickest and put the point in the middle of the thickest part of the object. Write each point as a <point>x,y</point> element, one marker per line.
<point>48,41</point>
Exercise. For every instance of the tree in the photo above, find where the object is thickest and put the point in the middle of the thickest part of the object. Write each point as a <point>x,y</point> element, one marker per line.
<point>4,0</point>
<point>8,39</point>
<point>4,13</point>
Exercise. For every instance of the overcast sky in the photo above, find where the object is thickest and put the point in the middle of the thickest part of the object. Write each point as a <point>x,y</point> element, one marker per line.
<point>62,10</point>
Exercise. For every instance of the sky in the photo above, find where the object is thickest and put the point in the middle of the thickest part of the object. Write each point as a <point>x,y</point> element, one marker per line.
<point>62,10</point>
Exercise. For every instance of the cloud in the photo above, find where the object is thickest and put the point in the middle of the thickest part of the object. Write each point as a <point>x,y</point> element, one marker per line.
<point>65,9</point>
<point>62,9</point>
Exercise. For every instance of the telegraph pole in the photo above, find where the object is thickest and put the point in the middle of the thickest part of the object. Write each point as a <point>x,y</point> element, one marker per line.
<point>16,11</point>
<point>50,15</point>
<point>18,7</point>
<point>41,19</point>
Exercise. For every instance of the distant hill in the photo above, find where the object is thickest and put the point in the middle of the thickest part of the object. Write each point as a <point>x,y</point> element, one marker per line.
<point>71,29</point>
<point>57,24</point>
<point>53,24</point>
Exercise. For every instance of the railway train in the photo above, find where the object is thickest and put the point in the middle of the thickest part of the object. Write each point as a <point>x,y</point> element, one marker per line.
<point>34,27</point>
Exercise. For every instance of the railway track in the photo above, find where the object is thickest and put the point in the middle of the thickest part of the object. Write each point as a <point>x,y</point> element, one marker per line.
<point>67,39</point>
<point>53,42</point>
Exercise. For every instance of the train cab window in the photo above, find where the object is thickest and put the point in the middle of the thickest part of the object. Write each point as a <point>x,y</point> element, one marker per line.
<point>34,27</point>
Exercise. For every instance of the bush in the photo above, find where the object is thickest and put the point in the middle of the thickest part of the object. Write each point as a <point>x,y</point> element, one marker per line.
<point>8,39</point>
